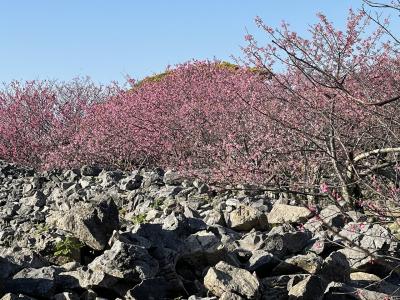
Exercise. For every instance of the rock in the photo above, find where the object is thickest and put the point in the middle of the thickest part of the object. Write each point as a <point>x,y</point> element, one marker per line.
<point>66,296</point>
<point>282,213</point>
<point>131,183</point>
<point>90,170</point>
<point>34,282</point>
<point>357,258</point>
<point>362,276</point>
<point>86,278</point>
<point>245,218</point>
<point>252,241</point>
<point>335,268</point>
<point>91,223</point>
<point>331,218</point>
<point>38,199</point>
<point>126,261</point>
<point>230,296</point>
<point>13,260</point>
<point>310,288</point>
<point>303,263</point>
<point>214,217</point>
<point>203,249</point>
<point>261,262</point>
<point>276,287</point>
<point>10,296</point>
<point>154,288</point>
<point>283,240</point>
<point>335,289</point>
<point>224,278</point>
<point>173,178</point>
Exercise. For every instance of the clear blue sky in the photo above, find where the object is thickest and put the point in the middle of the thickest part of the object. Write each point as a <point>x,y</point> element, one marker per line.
<point>106,40</point>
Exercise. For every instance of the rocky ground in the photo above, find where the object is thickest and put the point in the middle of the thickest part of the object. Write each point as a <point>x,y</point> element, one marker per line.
<point>94,234</point>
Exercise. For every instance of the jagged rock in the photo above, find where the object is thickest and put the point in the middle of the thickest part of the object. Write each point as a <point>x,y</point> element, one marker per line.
<point>282,213</point>
<point>85,278</point>
<point>155,288</point>
<point>331,217</point>
<point>173,178</point>
<point>303,263</point>
<point>66,296</point>
<point>231,296</point>
<point>34,282</point>
<point>252,241</point>
<point>203,249</point>
<point>13,260</point>
<point>126,261</point>
<point>37,199</point>
<point>225,278</point>
<point>335,289</point>
<point>131,183</point>
<point>362,276</point>
<point>91,223</point>
<point>90,170</point>
<point>356,257</point>
<point>172,230</point>
<point>11,296</point>
<point>283,240</point>
<point>310,288</point>
<point>261,262</point>
<point>245,218</point>
<point>276,287</point>
<point>335,268</point>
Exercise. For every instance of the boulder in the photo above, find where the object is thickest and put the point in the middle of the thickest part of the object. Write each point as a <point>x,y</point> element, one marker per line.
<point>282,213</point>
<point>245,218</point>
<point>92,223</point>
<point>224,278</point>
<point>310,288</point>
<point>126,261</point>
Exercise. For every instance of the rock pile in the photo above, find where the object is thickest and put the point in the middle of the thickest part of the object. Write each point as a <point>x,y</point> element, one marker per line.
<point>97,234</point>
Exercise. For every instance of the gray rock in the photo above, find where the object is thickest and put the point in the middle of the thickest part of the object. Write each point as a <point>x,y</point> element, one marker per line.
<point>282,213</point>
<point>131,183</point>
<point>90,170</point>
<point>283,240</point>
<point>126,261</point>
<point>335,268</point>
<point>34,282</point>
<point>173,178</point>
<point>91,223</point>
<point>66,296</point>
<point>245,218</point>
<point>310,288</point>
<point>303,263</point>
<point>224,278</point>
<point>38,199</point>
<point>155,288</point>
<point>13,260</point>
<point>261,262</point>
<point>11,296</point>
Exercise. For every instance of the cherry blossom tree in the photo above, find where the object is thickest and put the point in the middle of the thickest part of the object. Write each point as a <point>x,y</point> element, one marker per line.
<point>337,93</point>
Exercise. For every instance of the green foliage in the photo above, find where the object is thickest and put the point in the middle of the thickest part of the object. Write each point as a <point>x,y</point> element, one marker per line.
<point>41,228</point>
<point>139,219</point>
<point>228,65</point>
<point>157,203</point>
<point>153,78</point>
<point>67,246</point>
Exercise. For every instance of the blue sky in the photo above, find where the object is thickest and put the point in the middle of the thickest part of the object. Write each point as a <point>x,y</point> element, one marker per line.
<point>106,40</point>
